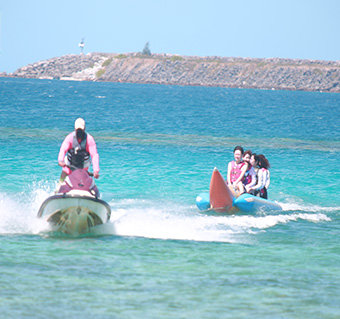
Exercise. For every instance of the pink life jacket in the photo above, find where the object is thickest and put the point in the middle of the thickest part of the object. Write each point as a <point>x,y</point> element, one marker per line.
<point>236,170</point>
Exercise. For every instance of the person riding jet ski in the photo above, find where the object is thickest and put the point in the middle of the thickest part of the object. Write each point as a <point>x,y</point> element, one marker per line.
<point>76,150</point>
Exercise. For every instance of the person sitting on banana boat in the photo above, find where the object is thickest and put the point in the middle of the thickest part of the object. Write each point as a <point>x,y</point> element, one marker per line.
<point>237,170</point>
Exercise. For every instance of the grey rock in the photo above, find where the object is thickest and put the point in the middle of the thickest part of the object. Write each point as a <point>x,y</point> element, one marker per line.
<point>271,73</point>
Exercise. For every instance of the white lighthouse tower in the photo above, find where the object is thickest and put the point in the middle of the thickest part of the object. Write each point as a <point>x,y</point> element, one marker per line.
<point>81,46</point>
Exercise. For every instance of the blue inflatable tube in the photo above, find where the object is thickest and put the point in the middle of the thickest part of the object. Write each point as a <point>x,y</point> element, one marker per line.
<point>248,203</point>
<point>203,201</point>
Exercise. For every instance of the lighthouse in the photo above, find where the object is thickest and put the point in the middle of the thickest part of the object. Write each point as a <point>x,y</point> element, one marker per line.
<point>81,46</point>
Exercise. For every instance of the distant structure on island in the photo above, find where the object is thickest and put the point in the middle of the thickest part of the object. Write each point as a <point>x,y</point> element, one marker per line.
<point>81,45</point>
<point>146,50</point>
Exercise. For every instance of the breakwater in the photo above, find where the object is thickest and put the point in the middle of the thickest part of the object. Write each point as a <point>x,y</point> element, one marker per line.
<point>270,73</point>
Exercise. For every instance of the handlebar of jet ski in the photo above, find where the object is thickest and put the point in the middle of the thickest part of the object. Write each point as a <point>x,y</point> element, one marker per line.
<point>74,168</point>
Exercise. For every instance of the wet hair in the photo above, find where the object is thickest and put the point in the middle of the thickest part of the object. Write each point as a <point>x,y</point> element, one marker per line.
<point>247,152</point>
<point>263,162</point>
<point>256,157</point>
<point>239,148</point>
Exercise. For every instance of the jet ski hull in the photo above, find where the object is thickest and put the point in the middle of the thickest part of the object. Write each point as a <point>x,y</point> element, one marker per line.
<point>74,214</point>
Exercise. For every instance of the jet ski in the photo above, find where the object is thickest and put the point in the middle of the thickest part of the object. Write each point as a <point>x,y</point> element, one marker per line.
<point>223,199</point>
<point>76,207</point>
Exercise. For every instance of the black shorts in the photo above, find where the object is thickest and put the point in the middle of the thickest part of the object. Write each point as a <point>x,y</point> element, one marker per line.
<point>261,193</point>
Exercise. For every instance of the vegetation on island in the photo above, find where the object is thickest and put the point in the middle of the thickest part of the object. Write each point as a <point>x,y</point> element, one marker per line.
<point>121,56</point>
<point>146,50</point>
<point>100,73</point>
<point>107,62</point>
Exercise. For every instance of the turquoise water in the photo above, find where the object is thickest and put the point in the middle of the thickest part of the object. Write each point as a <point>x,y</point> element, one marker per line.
<point>159,257</point>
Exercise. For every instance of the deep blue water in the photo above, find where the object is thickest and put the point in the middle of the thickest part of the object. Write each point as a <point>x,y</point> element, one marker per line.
<point>159,257</point>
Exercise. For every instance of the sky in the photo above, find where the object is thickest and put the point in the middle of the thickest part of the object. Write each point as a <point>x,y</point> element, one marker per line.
<point>35,30</point>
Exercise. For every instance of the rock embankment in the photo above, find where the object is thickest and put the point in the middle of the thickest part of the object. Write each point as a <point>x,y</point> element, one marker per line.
<point>273,73</point>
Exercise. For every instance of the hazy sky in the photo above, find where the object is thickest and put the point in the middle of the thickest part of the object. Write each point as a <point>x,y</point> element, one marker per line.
<point>34,30</point>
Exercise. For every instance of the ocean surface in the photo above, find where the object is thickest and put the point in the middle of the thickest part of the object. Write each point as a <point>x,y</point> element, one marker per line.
<point>159,257</point>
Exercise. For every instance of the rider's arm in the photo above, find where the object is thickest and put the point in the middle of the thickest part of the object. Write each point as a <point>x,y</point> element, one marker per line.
<point>260,181</point>
<point>243,171</point>
<point>92,149</point>
<point>65,146</point>
<point>268,179</point>
<point>253,177</point>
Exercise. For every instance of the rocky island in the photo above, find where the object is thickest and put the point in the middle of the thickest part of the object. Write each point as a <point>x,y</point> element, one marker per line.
<point>270,73</point>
